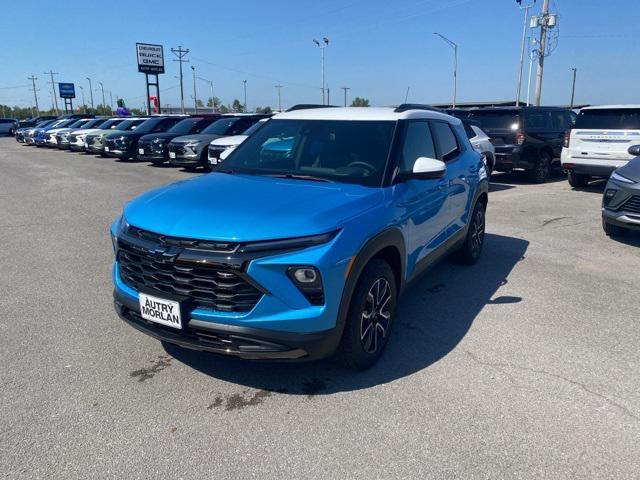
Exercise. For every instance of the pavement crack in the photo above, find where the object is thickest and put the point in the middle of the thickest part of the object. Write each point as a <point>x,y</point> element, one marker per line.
<point>582,386</point>
<point>551,220</point>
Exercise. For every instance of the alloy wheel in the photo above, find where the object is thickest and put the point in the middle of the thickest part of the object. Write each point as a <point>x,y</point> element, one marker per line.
<point>477,232</point>
<point>376,316</point>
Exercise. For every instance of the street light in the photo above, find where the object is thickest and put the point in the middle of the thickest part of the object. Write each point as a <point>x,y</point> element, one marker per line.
<point>244,82</point>
<point>84,106</point>
<point>210,82</point>
<point>104,104</point>
<point>322,45</point>
<point>524,34</point>
<point>453,45</point>
<point>91,92</point>
<point>195,95</point>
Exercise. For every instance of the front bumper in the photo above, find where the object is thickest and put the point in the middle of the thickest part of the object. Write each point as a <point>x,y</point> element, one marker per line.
<point>281,324</point>
<point>621,219</point>
<point>231,340</point>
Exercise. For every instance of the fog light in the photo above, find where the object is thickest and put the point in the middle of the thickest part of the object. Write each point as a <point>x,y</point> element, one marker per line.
<point>608,196</point>
<point>305,275</point>
<point>307,280</point>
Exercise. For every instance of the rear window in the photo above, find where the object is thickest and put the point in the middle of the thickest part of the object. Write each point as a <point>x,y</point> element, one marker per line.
<point>497,120</point>
<point>610,119</point>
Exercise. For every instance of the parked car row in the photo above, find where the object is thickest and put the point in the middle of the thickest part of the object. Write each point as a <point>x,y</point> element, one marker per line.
<point>177,140</point>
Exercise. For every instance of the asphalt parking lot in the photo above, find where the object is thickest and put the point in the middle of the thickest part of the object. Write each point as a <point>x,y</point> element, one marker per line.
<point>524,366</point>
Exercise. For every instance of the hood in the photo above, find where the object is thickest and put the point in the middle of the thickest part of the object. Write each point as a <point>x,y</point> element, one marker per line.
<point>63,130</point>
<point>229,141</point>
<point>109,133</point>
<point>55,130</point>
<point>631,170</point>
<point>149,137</point>
<point>199,137</point>
<point>85,131</point>
<point>232,207</point>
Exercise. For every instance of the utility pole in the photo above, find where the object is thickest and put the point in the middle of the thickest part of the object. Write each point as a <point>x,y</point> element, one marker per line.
<point>244,82</point>
<point>322,46</point>
<point>524,34</point>
<point>84,107</point>
<point>104,104</point>
<point>111,101</point>
<point>453,45</point>
<point>91,93</point>
<point>53,89</point>
<point>180,54</point>
<point>195,95</point>
<point>545,21</point>
<point>35,94</point>
<point>345,94</point>
<point>279,87</point>
<point>573,86</point>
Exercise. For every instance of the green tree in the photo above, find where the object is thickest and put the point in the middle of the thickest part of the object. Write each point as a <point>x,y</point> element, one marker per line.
<point>237,107</point>
<point>199,103</point>
<point>360,102</point>
<point>265,110</point>
<point>223,109</point>
<point>213,102</point>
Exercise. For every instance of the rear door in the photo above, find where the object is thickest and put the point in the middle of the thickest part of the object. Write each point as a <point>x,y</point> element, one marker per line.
<point>605,133</point>
<point>500,125</point>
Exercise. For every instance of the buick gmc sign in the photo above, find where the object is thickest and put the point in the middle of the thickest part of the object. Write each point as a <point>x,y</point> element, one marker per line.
<point>150,58</point>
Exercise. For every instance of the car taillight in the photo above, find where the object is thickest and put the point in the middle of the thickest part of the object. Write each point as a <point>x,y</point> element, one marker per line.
<point>567,138</point>
<point>519,138</point>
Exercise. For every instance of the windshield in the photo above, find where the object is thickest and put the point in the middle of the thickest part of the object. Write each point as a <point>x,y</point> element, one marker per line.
<point>110,123</point>
<point>188,125</point>
<point>220,127</point>
<point>65,123</point>
<point>46,123</point>
<point>336,150</point>
<point>130,124</point>
<point>497,120</point>
<point>609,119</point>
<point>253,128</point>
<point>149,125</point>
<point>93,123</point>
<point>78,123</point>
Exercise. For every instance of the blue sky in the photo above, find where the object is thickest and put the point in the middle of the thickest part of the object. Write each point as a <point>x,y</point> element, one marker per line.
<point>377,48</point>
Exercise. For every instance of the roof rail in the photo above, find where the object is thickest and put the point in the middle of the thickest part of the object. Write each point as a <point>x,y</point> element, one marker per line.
<point>307,106</point>
<point>416,106</point>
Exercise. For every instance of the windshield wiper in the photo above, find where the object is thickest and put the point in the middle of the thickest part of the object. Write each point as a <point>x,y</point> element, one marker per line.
<point>295,176</point>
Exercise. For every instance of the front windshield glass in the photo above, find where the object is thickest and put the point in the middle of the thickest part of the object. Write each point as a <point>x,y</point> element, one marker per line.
<point>184,126</point>
<point>336,150</point>
<point>93,123</point>
<point>130,124</point>
<point>253,128</point>
<point>148,125</point>
<point>78,123</point>
<point>220,127</point>
<point>111,123</point>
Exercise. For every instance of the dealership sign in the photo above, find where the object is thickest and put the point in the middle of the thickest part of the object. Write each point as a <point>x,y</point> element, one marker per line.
<point>67,90</point>
<point>150,58</point>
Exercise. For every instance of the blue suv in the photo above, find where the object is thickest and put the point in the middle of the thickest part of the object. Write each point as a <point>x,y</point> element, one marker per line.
<point>299,244</point>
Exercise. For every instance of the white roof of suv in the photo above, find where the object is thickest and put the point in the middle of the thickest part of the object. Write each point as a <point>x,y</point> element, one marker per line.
<point>612,107</point>
<point>362,113</point>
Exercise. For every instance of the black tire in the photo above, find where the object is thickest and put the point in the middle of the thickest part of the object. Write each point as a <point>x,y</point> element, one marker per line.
<point>577,180</point>
<point>470,251</point>
<point>204,161</point>
<point>370,318</point>
<point>542,169</point>
<point>613,230</point>
<point>190,169</point>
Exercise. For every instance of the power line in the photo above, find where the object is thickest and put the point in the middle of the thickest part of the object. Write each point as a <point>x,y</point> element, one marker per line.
<point>180,54</point>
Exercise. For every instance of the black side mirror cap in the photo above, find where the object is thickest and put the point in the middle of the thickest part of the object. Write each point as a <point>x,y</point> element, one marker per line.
<point>634,150</point>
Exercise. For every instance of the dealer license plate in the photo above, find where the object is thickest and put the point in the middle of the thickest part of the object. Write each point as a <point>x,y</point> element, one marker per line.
<point>141,151</point>
<point>172,154</point>
<point>159,310</point>
<point>106,149</point>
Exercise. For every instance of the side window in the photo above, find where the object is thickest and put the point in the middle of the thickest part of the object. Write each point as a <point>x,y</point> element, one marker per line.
<point>446,143</point>
<point>468,130</point>
<point>539,120</point>
<point>418,142</point>
<point>561,120</point>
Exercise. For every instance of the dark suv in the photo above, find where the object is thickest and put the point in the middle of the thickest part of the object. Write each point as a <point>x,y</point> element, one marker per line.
<point>528,138</point>
<point>124,145</point>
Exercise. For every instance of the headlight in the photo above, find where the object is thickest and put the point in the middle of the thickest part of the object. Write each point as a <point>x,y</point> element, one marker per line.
<point>619,178</point>
<point>192,144</point>
<point>287,243</point>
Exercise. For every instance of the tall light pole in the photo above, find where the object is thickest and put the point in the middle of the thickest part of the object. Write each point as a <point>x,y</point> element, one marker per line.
<point>84,107</point>
<point>532,55</point>
<point>322,45</point>
<point>180,54</point>
<point>195,94</point>
<point>104,104</point>
<point>111,101</point>
<point>244,83</point>
<point>453,45</point>
<point>279,87</point>
<point>573,85</point>
<point>91,92</point>
<point>345,94</point>
<point>210,82</point>
<point>525,9</point>
<point>545,21</point>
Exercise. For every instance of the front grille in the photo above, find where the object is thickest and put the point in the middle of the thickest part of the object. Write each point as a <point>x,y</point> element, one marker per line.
<point>166,241</point>
<point>212,286</point>
<point>72,138</point>
<point>632,205</point>
<point>215,151</point>
<point>150,148</point>
<point>177,148</point>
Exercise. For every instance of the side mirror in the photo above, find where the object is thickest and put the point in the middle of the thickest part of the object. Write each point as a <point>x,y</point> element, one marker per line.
<point>428,168</point>
<point>634,150</point>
